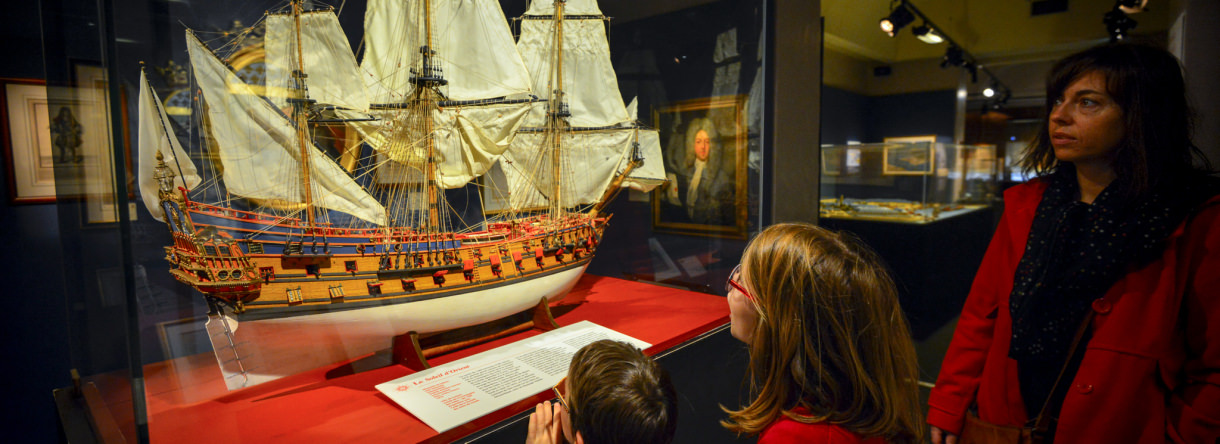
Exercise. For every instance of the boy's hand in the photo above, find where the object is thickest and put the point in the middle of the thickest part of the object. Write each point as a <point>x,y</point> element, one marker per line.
<point>544,425</point>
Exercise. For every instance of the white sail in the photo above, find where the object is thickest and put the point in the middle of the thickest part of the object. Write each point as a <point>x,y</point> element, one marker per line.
<point>473,45</point>
<point>258,145</point>
<point>591,159</point>
<point>333,77</point>
<point>590,86</point>
<point>468,140</point>
<point>157,136</point>
<point>652,173</point>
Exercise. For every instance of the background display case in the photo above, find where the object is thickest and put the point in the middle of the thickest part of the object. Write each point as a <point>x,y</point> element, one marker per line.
<point>907,182</point>
<point>926,207</point>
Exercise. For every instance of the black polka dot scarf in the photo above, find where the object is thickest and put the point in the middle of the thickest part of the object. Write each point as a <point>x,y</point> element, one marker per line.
<point>1077,251</point>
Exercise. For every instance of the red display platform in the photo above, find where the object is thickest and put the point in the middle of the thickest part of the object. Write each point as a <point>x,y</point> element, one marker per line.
<point>188,402</point>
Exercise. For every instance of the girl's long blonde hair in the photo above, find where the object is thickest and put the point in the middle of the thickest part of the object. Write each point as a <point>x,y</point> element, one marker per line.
<point>830,337</point>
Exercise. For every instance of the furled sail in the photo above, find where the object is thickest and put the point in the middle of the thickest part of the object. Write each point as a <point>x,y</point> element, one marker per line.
<point>473,45</point>
<point>590,86</point>
<point>157,136</point>
<point>334,78</point>
<point>604,132</point>
<point>258,145</point>
<point>468,140</point>
<point>592,162</point>
<point>652,173</point>
<point>474,52</point>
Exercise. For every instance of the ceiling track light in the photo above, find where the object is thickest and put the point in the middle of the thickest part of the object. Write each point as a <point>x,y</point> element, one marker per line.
<point>905,13</point>
<point>899,17</point>
<point>1133,6</point>
<point>1117,23</point>
<point>927,34</point>
<point>954,56</point>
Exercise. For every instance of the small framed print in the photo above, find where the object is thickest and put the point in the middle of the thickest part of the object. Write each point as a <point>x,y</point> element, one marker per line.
<point>908,155</point>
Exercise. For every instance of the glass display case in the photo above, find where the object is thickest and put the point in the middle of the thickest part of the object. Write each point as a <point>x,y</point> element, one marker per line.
<point>199,287</point>
<point>906,182</point>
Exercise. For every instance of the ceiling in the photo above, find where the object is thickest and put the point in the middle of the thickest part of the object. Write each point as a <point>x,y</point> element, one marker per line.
<point>992,30</point>
<point>1001,34</point>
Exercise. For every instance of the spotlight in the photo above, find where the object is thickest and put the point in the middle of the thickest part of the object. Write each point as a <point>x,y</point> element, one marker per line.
<point>989,92</point>
<point>898,18</point>
<point>953,57</point>
<point>1117,23</point>
<point>927,34</point>
<point>1132,6</point>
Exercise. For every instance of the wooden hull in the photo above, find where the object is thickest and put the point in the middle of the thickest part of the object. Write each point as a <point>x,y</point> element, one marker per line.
<point>337,294</point>
<point>258,351</point>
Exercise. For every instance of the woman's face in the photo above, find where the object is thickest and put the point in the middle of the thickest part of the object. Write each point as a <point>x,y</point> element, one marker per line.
<point>703,145</point>
<point>1086,124</point>
<point>743,314</point>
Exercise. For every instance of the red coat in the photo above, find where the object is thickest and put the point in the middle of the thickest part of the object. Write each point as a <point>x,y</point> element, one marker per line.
<point>1151,372</point>
<point>785,430</point>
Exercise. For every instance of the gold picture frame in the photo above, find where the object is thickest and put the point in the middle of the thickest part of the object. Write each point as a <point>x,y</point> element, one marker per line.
<point>834,159</point>
<point>57,142</point>
<point>717,206</point>
<point>28,153</point>
<point>908,156</point>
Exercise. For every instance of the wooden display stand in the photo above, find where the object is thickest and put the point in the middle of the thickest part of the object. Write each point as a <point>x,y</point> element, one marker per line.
<point>412,350</point>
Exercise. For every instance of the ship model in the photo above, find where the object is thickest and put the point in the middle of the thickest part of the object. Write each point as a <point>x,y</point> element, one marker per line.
<point>306,258</point>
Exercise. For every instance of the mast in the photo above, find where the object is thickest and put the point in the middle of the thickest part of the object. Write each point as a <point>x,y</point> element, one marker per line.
<point>558,117</point>
<point>300,115</point>
<point>427,80</point>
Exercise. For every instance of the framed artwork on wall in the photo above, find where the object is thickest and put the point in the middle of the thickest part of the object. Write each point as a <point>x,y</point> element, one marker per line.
<point>57,142</point>
<point>29,155</point>
<point>97,174</point>
<point>704,144</point>
<point>910,155</point>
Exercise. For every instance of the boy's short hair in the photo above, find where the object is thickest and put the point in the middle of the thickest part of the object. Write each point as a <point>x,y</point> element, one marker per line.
<point>619,396</point>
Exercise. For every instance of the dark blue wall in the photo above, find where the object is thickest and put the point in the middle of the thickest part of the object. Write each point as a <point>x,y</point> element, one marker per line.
<point>850,116</point>
<point>844,114</point>
<point>35,345</point>
<point>913,114</point>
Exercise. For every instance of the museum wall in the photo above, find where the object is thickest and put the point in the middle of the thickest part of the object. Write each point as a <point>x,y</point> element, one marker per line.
<point>864,119</point>
<point>912,114</point>
<point>848,118</point>
<point>35,343</point>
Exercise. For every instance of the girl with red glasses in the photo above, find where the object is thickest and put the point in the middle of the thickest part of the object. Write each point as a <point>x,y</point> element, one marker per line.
<point>831,357</point>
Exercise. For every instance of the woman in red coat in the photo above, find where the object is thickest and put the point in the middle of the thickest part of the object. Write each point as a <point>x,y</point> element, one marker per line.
<point>831,358</point>
<point>1120,224</point>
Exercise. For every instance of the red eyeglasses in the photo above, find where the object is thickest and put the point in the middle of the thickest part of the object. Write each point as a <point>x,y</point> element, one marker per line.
<point>559,388</point>
<point>733,284</point>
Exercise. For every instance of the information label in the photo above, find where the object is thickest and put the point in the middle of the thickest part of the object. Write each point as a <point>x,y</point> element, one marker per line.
<point>453,394</point>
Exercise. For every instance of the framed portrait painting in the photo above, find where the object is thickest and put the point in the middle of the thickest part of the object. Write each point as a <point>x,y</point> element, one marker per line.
<point>704,144</point>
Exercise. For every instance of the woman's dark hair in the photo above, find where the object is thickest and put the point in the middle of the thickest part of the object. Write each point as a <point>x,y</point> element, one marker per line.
<point>1147,84</point>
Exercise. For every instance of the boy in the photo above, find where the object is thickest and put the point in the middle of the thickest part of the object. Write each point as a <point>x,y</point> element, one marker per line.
<point>613,394</point>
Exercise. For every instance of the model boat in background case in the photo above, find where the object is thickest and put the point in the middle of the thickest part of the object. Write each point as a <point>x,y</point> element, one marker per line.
<point>294,248</point>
